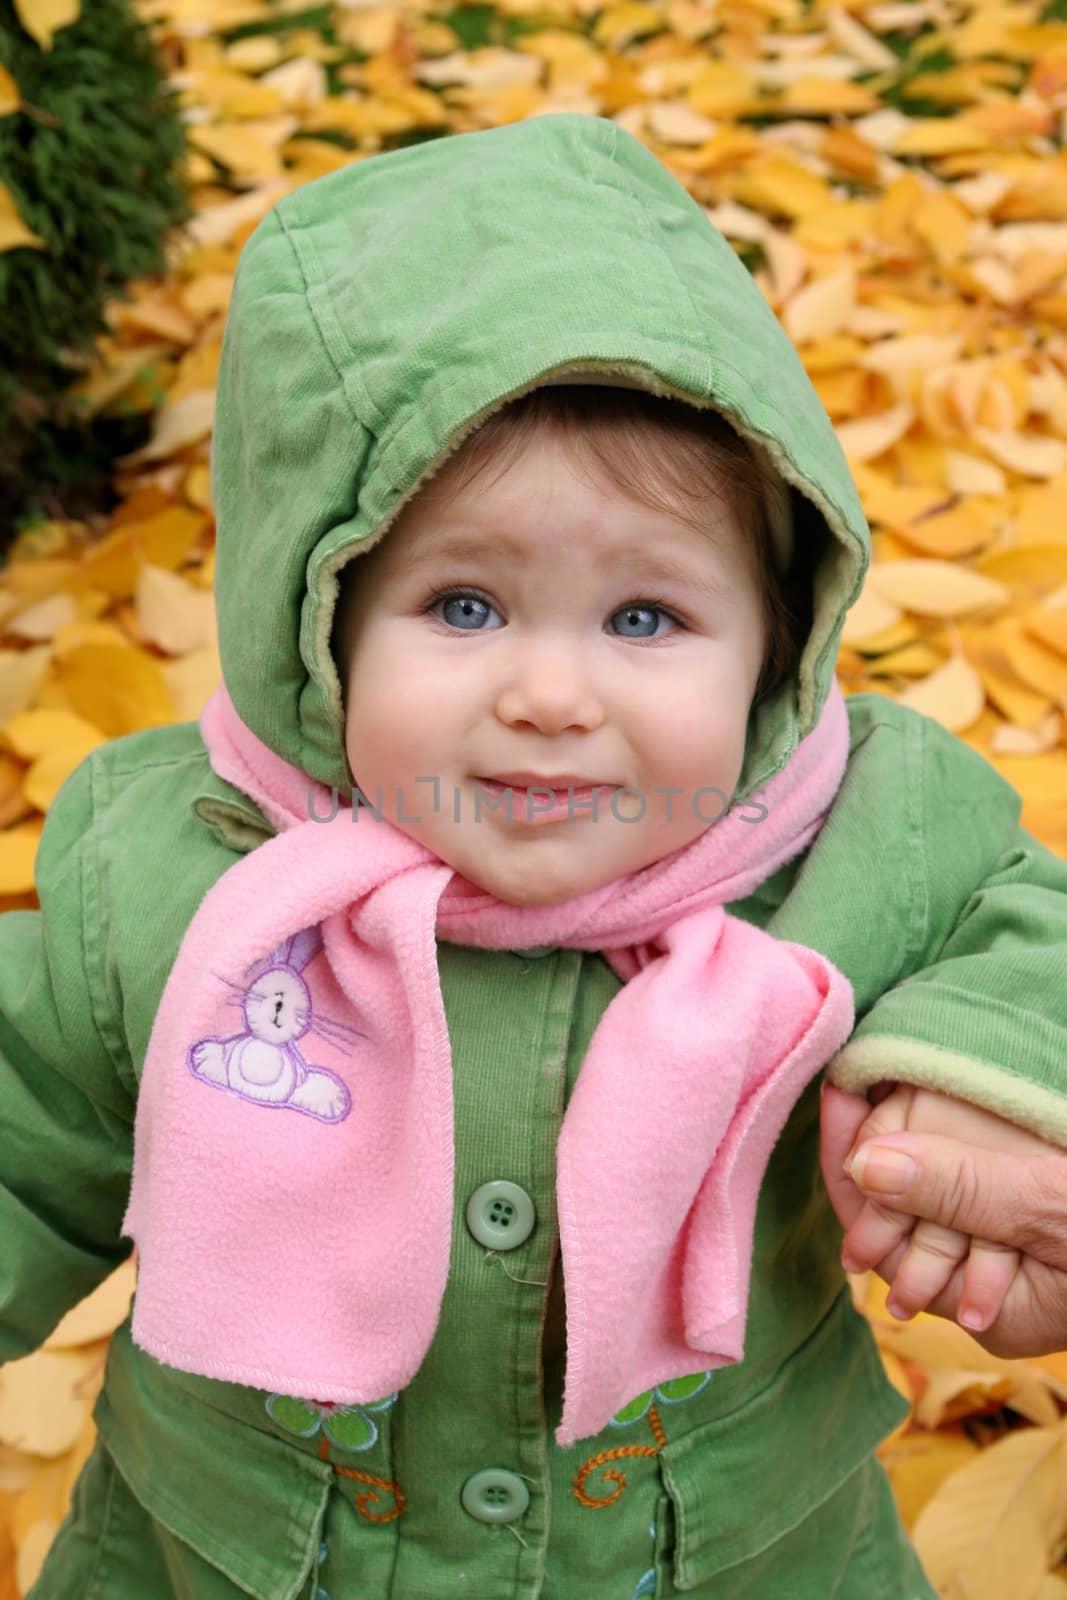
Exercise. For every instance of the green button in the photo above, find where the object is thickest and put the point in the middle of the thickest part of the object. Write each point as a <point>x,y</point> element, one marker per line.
<point>501,1215</point>
<point>535,950</point>
<point>495,1495</point>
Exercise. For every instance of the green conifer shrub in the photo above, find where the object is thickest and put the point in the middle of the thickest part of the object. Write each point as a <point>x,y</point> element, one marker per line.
<point>92,158</point>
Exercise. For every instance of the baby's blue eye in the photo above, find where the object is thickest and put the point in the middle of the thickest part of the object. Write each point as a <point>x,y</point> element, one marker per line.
<point>468,611</point>
<point>636,615</point>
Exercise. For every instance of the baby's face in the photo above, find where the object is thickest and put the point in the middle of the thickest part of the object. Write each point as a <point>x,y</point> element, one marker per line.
<point>541,627</point>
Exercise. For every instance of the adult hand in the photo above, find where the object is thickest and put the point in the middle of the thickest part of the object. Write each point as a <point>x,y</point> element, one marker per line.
<point>1017,1200</point>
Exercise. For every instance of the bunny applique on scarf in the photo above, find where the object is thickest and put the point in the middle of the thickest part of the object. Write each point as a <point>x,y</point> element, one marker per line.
<point>264,1062</point>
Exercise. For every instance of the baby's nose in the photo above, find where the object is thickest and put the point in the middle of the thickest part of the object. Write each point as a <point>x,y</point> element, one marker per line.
<point>550,689</point>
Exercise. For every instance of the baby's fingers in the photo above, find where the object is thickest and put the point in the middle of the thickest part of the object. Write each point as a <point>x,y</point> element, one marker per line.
<point>875,1233</point>
<point>989,1274</point>
<point>927,1267</point>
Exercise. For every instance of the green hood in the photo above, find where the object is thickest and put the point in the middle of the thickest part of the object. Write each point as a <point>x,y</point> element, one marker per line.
<point>382,312</point>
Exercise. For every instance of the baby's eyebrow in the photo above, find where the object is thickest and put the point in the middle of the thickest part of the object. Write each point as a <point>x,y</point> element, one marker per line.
<point>637,560</point>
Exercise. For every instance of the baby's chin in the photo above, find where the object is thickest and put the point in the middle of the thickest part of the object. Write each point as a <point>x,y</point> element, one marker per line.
<point>528,891</point>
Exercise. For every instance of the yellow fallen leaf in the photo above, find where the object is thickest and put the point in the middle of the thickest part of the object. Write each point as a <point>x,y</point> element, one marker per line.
<point>18,849</point>
<point>1048,628</point>
<point>13,806</point>
<point>300,83</point>
<point>254,54</point>
<point>919,1463</point>
<point>246,152</point>
<point>813,95</point>
<point>897,504</point>
<point>232,94</point>
<point>171,613</point>
<point>914,661</point>
<point>1042,669</point>
<point>936,136</point>
<point>946,535</point>
<point>10,99</point>
<point>32,733</point>
<point>203,576</point>
<point>207,294</point>
<point>35,1541</point>
<point>119,688</point>
<point>73,634</point>
<point>674,122</point>
<point>723,88</point>
<point>99,1314</point>
<point>21,675</point>
<point>969,474</point>
<point>995,1527</point>
<point>164,540</point>
<point>868,437</point>
<point>1040,519</point>
<point>899,359</point>
<point>952,1395</point>
<point>822,308</point>
<point>40,1408</point>
<point>936,588</point>
<point>42,19</point>
<point>953,695</point>
<point>217,224</point>
<point>872,613</point>
<point>47,775</point>
<point>773,183</point>
<point>1033,455</point>
<point>43,619</point>
<point>903,632</point>
<point>1012,740</point>
<point>157,314</point>
<point>14,234</point>
<point>183,423</point>
<point>1030,569</point>
<point>192,680</point>
<point>1021,705</point>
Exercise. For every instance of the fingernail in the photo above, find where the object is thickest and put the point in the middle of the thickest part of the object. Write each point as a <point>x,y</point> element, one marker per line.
<point>884,1171</point>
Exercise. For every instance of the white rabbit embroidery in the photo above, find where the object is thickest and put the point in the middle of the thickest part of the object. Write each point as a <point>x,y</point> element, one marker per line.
<point>263,1063</point>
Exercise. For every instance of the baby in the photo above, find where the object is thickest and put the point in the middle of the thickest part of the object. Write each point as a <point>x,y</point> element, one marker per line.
<point>559,695</point>
<point>453,1056</point>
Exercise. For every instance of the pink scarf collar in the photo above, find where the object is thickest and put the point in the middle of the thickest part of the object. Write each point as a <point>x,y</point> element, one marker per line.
<point>292,1185</point>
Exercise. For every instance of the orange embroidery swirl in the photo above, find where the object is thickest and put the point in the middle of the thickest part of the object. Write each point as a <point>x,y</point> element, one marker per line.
<point>578,1482</point>
<point>619,1477</point>
<point>363,1500</point>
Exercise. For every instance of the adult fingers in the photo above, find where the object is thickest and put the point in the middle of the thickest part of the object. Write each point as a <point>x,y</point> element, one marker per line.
<point>1015,1200</point>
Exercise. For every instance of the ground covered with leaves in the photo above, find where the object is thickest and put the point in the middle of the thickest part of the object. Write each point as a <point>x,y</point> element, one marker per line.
<point>894,175</point>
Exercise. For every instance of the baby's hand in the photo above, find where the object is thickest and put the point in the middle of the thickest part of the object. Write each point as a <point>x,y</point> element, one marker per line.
<point>935,1252</point>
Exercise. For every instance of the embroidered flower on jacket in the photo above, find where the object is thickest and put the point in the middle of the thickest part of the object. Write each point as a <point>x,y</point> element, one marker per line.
<point>671,1393</point>
<point>349,1427</point>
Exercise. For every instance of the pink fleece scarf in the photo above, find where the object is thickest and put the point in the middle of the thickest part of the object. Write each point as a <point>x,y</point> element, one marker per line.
<point>293,1167</point>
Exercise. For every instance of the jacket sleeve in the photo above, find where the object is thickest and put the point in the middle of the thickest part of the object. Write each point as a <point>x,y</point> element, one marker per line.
<point>981,1014</point>
<point>66,1111</point>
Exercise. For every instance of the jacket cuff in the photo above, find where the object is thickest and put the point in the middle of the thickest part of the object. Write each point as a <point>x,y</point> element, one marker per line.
<point>881,1057</point>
